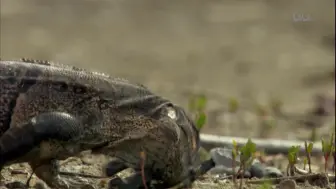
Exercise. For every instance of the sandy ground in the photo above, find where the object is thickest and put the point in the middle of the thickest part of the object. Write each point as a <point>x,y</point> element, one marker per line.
<point>92,165</point>
<point>251,50</point>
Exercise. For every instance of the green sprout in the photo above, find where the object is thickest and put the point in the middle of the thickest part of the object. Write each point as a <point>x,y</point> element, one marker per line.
<point>233,105</point>
<point>197,105</point>
<point>305,162</point>
<point>234,157</point>
<point>327,148</point>
<point>292,159</point>
<point>246,157</point>
<point>247,152</point>
<point>201,120</point>
<point>308,149</point>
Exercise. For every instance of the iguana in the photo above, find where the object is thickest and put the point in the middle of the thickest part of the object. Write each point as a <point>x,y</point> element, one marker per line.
<point>51,111</point>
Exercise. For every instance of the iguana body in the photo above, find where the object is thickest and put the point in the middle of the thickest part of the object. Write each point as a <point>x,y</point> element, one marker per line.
<point>50,112</point>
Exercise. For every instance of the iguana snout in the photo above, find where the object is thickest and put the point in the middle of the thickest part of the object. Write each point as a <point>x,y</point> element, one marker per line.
<point>188,145</point>
<point>190,131</point>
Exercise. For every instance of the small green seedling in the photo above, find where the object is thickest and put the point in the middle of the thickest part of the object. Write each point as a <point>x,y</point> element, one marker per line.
<point>235,145</point>
<point>197,105</point>
<point>234,157</point>
<point>246,157</point>
<point>201,120</point>
<point>292,159</point>
<point>233,105</point>
<point>327,147</point>
<point>309,149</point>
<point>305,162</point>
<point>247,152</point>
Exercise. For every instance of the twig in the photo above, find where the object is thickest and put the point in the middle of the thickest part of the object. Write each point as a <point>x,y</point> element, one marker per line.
<point>81,175</point>
<point>143,158</point>
<point>242,168</point>
<point>308,157</point>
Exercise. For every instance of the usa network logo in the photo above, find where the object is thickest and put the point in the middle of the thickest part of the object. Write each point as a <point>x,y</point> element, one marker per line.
<point>299,17</point>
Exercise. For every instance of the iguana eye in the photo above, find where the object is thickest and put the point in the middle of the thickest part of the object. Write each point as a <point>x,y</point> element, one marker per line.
<point>171,113</point>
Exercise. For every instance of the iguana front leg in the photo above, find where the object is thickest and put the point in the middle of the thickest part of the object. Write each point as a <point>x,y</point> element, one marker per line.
<point>17,143</point>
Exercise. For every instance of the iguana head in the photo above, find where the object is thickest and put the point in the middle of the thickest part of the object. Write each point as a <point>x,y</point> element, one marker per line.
<point>189,140</point>
<point>191,132</point>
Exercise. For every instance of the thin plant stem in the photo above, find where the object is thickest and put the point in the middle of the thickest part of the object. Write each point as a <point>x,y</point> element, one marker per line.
<point>143,158</point>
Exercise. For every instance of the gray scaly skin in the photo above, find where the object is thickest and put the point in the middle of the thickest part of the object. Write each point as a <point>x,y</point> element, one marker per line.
<point>49,112</point>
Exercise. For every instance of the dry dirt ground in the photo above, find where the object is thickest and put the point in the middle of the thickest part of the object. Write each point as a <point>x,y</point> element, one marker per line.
<point>91,165</point>
<point>252,50</point>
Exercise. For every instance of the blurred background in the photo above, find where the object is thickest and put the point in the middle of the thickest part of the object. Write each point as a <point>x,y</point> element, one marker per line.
<point>247,51</point>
